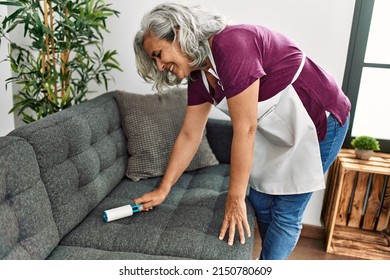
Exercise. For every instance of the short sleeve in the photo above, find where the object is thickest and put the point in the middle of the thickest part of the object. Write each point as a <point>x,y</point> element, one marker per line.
<point>197,92</point>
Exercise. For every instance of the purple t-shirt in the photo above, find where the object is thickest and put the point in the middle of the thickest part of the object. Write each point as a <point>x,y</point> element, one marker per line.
<point>245,53</point>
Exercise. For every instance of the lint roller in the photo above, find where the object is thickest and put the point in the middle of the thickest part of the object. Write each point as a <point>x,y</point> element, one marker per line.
<point>120,212</point>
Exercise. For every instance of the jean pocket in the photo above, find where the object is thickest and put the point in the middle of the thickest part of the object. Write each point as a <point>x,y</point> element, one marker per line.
<point>275,129</point>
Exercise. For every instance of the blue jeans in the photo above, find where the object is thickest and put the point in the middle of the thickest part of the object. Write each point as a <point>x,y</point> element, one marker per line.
<point>279,217</point>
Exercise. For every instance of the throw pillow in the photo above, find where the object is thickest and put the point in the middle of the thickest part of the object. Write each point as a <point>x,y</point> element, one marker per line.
<point>151,124</point>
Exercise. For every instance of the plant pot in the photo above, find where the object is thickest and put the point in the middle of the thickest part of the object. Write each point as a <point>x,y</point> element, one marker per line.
<point>363,154</point>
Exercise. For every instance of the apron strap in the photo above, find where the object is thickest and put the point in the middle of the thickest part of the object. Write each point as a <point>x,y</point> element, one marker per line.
<point>205,82</point>
<point>212,71</point>
<point>299,69</point>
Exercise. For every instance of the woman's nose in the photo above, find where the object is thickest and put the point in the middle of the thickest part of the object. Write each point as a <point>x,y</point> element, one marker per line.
<point>160,65</point>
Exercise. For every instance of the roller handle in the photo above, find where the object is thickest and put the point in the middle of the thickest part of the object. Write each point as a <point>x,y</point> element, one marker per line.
<point>120,212</point>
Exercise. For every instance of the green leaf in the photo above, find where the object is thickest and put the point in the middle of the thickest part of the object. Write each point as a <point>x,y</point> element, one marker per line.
<point>11,3</point>
<point>13,16</point>
<point>13,25</point>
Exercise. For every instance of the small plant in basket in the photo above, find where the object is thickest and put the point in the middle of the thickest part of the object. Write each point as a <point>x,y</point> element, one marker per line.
<point>364,146</point>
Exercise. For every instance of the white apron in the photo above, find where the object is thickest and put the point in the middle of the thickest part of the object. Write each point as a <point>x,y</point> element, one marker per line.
<point>287,156</point>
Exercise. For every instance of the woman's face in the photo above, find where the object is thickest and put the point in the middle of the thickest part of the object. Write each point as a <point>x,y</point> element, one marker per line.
<point>168,56</point>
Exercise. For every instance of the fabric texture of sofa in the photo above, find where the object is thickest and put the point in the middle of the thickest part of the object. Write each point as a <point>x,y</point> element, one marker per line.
<point>58,175</point>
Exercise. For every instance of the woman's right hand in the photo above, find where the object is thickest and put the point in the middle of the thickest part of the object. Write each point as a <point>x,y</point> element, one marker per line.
<point>152,199</point>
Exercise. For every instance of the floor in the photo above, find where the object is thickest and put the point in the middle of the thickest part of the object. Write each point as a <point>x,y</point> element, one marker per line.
<point>306,249</point>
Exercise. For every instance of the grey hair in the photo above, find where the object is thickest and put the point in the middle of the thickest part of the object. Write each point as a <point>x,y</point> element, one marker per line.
<point>190,25</point>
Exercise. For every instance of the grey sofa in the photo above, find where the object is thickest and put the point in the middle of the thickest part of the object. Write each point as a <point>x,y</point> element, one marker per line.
<point>59,174</point>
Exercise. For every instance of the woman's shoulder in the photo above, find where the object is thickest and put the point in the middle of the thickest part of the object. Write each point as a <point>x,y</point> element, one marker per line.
<point>231,37</point>
<point>248,31</point>
<point>243,30</point>
<point>239,35</point>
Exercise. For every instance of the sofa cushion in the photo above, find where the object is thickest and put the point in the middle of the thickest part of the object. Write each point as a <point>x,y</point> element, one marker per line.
<point>186,225</point>
<point>27,227</point>
<point>151,124</point>
<point>81,153</point>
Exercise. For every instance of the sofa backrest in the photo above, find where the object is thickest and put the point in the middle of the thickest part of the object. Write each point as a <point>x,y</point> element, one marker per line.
<point>27,227</point>
<point>81,153</point>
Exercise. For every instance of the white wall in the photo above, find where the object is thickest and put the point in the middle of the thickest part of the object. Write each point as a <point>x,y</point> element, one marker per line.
<point>6,120</point>
<point>320,27</point>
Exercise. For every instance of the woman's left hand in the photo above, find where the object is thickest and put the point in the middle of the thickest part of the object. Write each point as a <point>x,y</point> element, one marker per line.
<point>235,216</point>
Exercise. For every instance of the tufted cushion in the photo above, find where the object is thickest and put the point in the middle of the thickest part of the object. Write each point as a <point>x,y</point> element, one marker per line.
<point>185,226</point>
<point>27,228</point>
<point>151,124</point>
<point>82,156</point>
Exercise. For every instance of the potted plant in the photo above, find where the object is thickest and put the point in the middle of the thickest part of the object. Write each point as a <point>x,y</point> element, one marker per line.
<point>63,55</point>
<point>364,146</point>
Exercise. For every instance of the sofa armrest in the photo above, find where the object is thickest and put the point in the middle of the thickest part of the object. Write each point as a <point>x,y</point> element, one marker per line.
<point>219,135</point>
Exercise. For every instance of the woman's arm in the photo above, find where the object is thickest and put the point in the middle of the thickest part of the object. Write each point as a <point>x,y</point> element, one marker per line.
<point>243,113</point>
<point>183,151</point>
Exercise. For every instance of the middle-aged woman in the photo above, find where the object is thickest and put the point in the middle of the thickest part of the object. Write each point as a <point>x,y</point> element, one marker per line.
<point>289,116</point>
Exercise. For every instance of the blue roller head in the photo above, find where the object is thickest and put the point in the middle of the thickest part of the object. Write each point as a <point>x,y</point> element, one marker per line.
<point>105,218</point>
<point>136,208</point>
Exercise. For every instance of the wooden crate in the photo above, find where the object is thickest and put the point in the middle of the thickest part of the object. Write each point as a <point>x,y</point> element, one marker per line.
<point>356,210</point>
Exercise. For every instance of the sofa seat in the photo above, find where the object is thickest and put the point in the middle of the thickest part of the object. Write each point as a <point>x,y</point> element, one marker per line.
<point>185,226</point>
